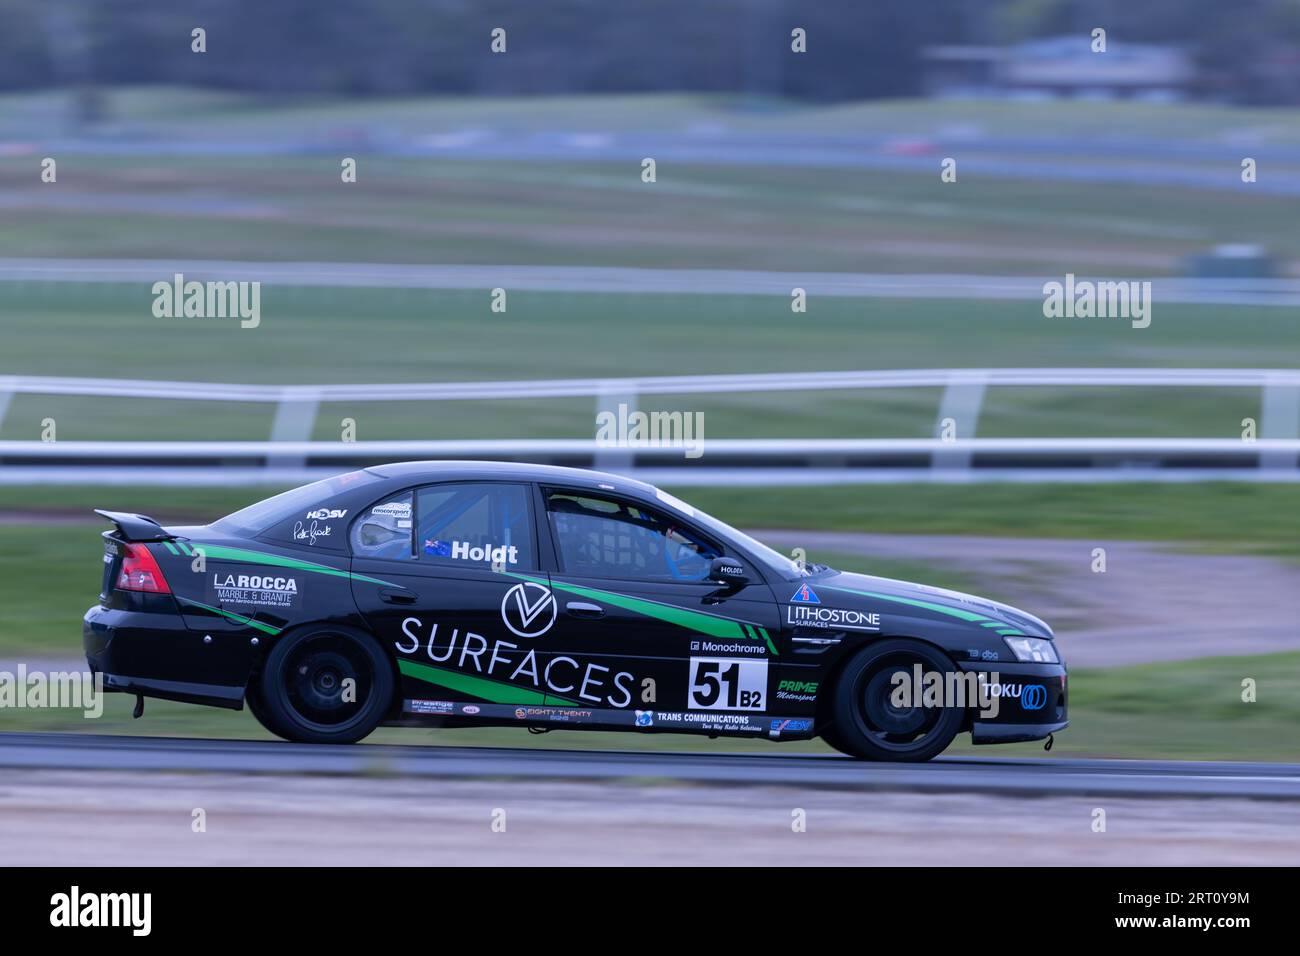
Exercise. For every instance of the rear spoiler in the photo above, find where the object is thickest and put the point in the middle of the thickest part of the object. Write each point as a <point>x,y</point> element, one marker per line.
<point>133,527</point>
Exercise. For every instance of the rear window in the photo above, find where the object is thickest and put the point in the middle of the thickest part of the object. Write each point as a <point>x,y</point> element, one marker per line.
<point>257,518</point>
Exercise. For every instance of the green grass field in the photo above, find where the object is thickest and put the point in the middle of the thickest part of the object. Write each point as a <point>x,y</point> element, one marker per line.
<point>353,335</point>
<point>584,212</point>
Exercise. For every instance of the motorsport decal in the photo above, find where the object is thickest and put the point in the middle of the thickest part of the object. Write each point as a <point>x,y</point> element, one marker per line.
<point>259,590</point>
<point>804,615</point>
<point>501,673</point>
<point>496,555</point>
<point>529,609</point>
<point>712,625</point>
<point>802,691</point>
<point>719,683</point>
<point>805,595</point>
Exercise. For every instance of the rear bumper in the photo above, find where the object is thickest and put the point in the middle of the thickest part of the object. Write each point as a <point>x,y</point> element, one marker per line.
<point>156,655</point>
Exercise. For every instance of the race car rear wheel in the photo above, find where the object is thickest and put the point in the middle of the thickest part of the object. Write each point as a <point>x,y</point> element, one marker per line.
<point>868,721</point>
<point>326,685</point>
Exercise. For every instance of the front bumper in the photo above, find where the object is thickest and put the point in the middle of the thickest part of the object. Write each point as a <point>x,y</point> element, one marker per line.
<point>156,655</point>
<point>1031,702</point>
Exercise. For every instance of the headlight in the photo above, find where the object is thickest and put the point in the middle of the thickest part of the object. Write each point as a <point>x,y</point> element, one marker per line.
<point>1032,649</point>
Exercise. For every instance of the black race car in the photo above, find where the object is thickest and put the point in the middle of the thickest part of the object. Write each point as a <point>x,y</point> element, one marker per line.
<point>472,593</point>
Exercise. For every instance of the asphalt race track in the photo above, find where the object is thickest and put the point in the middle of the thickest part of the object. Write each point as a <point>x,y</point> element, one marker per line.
<point>990,775</point>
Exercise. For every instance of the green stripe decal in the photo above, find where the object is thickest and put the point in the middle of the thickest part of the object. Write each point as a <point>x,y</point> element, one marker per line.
<point>231,615</point>
<point>220,552</point>
<point>927,605</point>
<point>697,621</point>
<point>490,690</point>
<point>170,547</point>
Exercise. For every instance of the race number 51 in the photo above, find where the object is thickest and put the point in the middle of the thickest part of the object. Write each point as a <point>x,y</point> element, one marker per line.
<point>725,684</point>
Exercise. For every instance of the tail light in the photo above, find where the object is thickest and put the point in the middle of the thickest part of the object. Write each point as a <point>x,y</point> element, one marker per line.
<point>140,572</point>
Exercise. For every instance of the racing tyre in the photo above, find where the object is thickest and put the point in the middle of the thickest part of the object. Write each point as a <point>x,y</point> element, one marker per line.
<point>325,685</point>
<point>868,724</point>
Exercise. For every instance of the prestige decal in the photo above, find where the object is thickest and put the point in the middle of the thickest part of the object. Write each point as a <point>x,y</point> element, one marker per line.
<point>264,590</point>
<point>805,615</point>
<point>501,660</point>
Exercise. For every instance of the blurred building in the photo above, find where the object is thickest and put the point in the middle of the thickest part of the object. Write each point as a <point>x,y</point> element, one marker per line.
<point>1060,66</point>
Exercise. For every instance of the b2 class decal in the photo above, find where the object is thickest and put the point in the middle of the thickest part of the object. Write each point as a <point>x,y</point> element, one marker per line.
<point>721,683</point>
<point>255,590</point>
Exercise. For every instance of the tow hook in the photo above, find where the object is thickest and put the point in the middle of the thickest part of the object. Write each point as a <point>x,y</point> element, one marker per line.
<point>1048,745</point>
<point>138,712</point>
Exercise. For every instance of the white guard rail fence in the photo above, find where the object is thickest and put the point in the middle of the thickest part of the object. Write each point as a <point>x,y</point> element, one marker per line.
<point>290,454</point>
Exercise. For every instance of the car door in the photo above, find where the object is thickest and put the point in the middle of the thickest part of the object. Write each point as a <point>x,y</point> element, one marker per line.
<point>642,629</point>
<point>437,571</point>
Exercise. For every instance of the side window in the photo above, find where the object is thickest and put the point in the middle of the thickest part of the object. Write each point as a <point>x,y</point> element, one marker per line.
<point>604,537</point>
<point>476,525</point>
<point>384,531</point>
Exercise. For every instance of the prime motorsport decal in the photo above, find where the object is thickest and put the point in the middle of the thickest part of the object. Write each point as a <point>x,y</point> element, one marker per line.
<point>255,590</point>
<point>528,609</point>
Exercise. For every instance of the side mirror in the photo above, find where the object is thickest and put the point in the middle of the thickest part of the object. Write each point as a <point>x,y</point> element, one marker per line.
<point>728,571</point>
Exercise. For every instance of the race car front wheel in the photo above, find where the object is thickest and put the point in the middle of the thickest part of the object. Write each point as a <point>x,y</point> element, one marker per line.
<point>872,720</point>
<point>325,685</point>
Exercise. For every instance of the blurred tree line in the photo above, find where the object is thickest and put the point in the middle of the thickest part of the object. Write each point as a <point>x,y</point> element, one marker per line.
<point>857,48</point>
